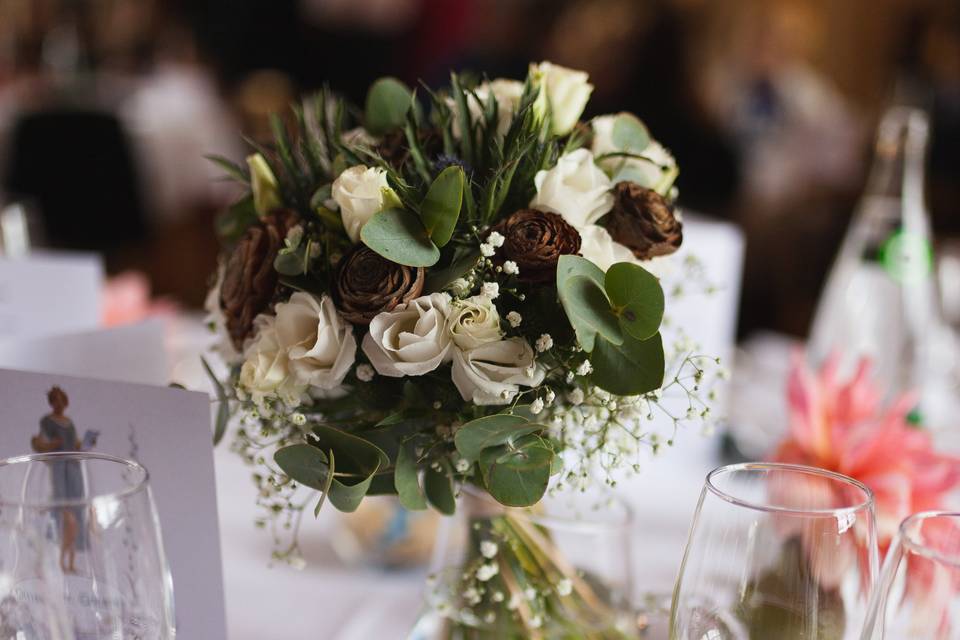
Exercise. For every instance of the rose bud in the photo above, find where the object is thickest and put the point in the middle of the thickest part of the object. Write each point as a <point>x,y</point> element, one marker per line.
<point>535,240</point>
<point>366,283</point>
<point>249,279</point>
<point>643,221</point>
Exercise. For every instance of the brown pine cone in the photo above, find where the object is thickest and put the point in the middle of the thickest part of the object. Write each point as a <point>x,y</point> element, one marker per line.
<point>535,240</point>
<point>249,279</point>
<point>643,221</point>
<point>366,283</point>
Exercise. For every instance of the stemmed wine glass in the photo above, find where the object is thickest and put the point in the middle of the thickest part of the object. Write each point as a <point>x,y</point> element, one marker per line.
<point>80,551</point>
<point>918,596</point>
<point>777,551</point>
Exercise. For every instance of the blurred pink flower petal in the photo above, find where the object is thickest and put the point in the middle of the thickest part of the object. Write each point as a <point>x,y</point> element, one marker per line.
<point>126,300</point>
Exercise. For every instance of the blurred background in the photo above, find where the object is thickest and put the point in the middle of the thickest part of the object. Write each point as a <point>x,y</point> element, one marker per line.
<point>108,106</point>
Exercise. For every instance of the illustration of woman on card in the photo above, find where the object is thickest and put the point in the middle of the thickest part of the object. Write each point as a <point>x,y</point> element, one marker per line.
<point>58,434</point>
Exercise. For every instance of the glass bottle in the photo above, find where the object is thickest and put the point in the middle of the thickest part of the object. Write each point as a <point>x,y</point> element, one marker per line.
<point>880,299</point>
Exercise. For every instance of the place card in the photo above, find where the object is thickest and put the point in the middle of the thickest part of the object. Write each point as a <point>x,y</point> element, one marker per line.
<point>48,293</point>
<point>167,430</point>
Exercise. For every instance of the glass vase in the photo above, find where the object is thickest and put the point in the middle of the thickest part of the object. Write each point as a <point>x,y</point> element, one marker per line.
<point>559,570</point>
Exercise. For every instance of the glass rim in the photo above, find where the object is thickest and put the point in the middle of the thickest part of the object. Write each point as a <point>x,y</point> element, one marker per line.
<point>560,522</point>
<point>709,484</point>
<point>136,486</point>
<point>918,547</point>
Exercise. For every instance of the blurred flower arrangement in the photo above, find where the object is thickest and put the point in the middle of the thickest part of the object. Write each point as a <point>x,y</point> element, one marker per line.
<point>456,290</point>
<point>843,425</point>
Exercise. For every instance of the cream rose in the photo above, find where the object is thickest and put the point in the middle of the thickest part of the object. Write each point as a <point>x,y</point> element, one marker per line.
<point>361,192</point>
<point>575,188</point>
<point>566,92</point>
<point>493,372</point>
<point>320,344</point>
<point>598,247</point>
<point>473,322</point>
<point>266,367</point>
<point>263,185</point>
<point>647,173</point>
<point>412,339</point>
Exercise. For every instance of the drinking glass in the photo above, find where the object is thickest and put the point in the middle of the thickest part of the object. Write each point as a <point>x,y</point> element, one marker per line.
<point>777,551</point>
<point>80,551</point>
<point>918,596</point>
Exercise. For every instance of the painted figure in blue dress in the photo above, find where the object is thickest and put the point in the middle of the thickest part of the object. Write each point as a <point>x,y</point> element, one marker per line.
<point>58,434</point>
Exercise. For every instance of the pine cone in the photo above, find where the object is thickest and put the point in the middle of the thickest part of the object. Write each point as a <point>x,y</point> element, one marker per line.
<point>249,280</point>
<point>643,221</point>
<point>366,283</point>
<point>535,240</point>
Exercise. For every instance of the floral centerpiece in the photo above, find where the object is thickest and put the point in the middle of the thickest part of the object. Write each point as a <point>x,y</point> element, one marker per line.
<point>449,288</point>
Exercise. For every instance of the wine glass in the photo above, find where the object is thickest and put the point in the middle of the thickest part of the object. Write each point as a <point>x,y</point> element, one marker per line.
<point>918,596</point>
<point>777,551</point>
<point>80,551</point>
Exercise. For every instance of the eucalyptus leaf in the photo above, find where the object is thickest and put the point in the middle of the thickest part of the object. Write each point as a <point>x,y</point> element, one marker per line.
<point>438,485</point>
<point>388,102</point>
<point>521,479</point>
<point>440,277</point>
<point>491,431</point>
<point>637,297</point>
<point>407,481</point>
<point>631,368</point>
<point>441,207</point>
<point>304,464</point>
<point>399,236</point>
<point>358,462</point>
<point>289,263</point>
<point>580,288</point>
<point>629,133</point>
<point>327,483</point>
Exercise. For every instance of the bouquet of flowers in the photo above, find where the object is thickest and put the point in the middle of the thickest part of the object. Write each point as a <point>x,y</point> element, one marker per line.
<point>444,288</point>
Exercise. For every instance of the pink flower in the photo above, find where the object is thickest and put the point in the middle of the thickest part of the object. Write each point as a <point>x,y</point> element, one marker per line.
<point>842,426</point>
<point>126,300</point>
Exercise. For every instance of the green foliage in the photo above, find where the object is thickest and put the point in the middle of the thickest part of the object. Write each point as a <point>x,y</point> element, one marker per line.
<point>638,298</point>
<point>232,223</point>
<point>388,102</point>
<point>441,208</point>
<point>630,368</point>
<point>629,133</point>
<point>438,485</point>
<point>223,403</point>
<point>305,464</point>
<point>492,432</point>
<point>398,235</point>
<point>520,477</point>
<point>407,480</point>
<point>580,288</point>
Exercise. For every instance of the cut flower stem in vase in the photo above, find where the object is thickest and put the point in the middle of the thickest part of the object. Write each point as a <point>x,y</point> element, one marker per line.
<point>520,573</point>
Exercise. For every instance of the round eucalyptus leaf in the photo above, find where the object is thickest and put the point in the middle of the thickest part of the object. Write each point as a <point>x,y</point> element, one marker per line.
<point>304,464</point>
<point>388,101</point>
<point>521,479</point>
<point>629,133</point>
<point>631,368</point>
<point>637,298</point>
<point>491,431</point>
<point>580,288</point>
<point>399,236</point>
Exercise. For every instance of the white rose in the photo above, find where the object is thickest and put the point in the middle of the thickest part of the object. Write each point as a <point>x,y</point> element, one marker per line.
<point>263,185</point>
<point>360,192</point>
<point>412,339</point>
<point>507,93</point>
<point>473,322</point>
<point>266,368</point>
<point>575,188</point>
<point>646,174</point>
<point>319,343</point>
<point>492,373</point>
<point>597,246</point>
<point>566,92</point>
